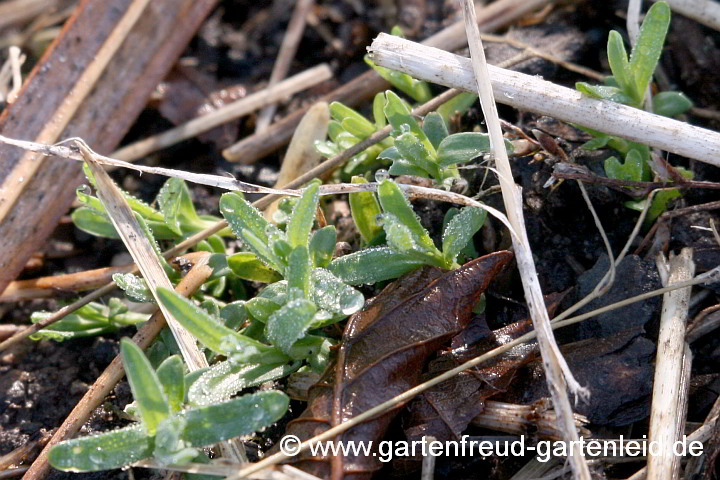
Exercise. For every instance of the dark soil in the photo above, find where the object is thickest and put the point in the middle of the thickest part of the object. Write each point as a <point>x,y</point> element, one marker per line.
<point>40,382</point>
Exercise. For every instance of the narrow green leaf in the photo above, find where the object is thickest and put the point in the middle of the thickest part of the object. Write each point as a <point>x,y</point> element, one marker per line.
<point>372,265</point>
<point>322,246</point>
<point>264,251</point>
<point>365,209</point>
<point>360,128</point>
<point>239,416</point>
<point>145,385</point>
<point>596,143</point>
<point>298,230</point>
<point>462,147</point>
<point>170,446</point>
<point>171,374</point>
<point>106,451</point>
<point>460,231</point>
<point>290,322</point>
<point>614,94</point>
<point>225,379</point>
<point>249,224</point>
<point>207,329</point>
<point>298,272</point>
<point>247,266</point>
<point>393,201</point>
<point>670,104</point>
<point>339,112</point>
<point>378,113</point>
<point>435,128</point>
<point>619,65</point>
<point>176,204</point>
<point>649,45</point>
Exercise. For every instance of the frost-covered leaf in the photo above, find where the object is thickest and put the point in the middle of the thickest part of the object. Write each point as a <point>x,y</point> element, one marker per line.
<point>322,246</point>
<point>103,452</point>
<point>373,265</point>
<point>152,403</point>
<point>290,322</point>
<point>331,294</point>
<point>460,231</point>
<point>171,374</point>
<point>133,286</point>
<point>301,222</point>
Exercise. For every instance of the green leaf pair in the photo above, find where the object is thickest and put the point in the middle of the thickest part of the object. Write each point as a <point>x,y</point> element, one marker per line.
<point>409,244</point>
<point>166,431</point>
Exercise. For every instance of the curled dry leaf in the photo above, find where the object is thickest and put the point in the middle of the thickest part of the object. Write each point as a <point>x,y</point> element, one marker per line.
<point>383,353</point>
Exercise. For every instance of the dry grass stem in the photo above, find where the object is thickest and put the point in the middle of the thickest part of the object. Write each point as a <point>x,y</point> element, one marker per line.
<point>113,373</point>
<point>132,235</point>
<point>529,93</point>
<point>427,471</point>
<point>287,52</point>
<point>231,111</point>
<point>557,373</point>
<point>671,382</point>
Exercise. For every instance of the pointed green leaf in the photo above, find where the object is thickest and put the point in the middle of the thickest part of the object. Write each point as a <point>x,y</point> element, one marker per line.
<point>175,204</point>
<point>106,451</point>
<point>648,46</point>
<point>247,266</point>
<point>393,201</point>
<point>208,330</point>
<point>619,65</point>
<point>460,231</point>
<point>339,112</point>
<point>290,322</point>
<point>171,374</point>
<point>298,272</point>
<point>322,246</point>
<point>239,416</point>
<point>365,209</point>
<point>596,143</point>
<point>145,385</point>
<point>435,128</point>
<point>373,265</point>
<point>261,308</point>
<point>225,379</point>
<point>360,128</point>
<point>614,94</point>
<point>298,230</point>
<point>249,224</point>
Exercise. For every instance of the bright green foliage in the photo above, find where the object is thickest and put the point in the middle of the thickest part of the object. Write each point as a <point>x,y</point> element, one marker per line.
<point>365,210</point>
<point>408,243</point>
<point>89,320</point>
<point>176,219</point>
<point>631,78</point>
<point>430,151</point>
<point>628,85</point>
<point>660,200</point>
<point>167,431</point>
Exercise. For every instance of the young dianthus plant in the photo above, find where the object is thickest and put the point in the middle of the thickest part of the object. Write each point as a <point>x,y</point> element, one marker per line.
<point>629,85</point>
<point>167,430</point>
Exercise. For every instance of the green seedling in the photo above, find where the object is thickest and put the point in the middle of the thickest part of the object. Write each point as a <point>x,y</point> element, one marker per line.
<point>628,85</point>
<point>89,320</point>
<point>430,151</point>
<point>176,219</point>
<point>409,245</point>
<point>167,431</point>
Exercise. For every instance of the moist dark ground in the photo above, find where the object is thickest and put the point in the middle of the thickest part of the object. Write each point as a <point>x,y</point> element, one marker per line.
<point>40,382</point>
